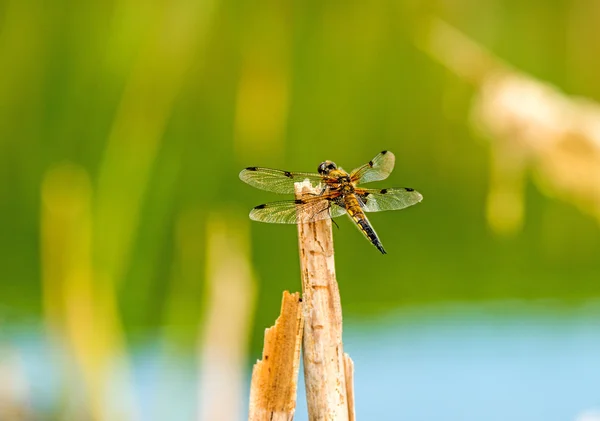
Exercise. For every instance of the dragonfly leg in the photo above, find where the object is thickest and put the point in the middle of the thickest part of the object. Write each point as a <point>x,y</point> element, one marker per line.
<point>335,223</point>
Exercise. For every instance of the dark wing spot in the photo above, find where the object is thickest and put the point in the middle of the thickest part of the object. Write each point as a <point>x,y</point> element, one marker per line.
<point>366,194</point>
<point>260,206</point>
<point>252,168</point>
<point>371,164</point>
<point>299,201</point>
<point>409,189</point>
<point>383,191</point>
<point>384,152</point>
<point>288,174</point>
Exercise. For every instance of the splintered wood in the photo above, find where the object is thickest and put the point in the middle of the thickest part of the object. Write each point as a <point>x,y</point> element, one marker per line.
<point>275,377</point>
<point>349,373</point>
<point>328,371</point>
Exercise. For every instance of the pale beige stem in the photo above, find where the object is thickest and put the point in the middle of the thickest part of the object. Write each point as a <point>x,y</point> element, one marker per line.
<point>324,363</point>
<point>275,377</point>
<point>349,372</point>
<point>229,290</point>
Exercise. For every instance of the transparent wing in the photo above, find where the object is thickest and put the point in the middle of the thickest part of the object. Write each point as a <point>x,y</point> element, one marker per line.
<point>379,168</point>
<point>276,181</point>
<point>297,211</point>
<point>377,200</point>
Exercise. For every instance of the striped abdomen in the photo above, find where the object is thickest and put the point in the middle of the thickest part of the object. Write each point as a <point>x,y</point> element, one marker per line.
<point>358,216</point>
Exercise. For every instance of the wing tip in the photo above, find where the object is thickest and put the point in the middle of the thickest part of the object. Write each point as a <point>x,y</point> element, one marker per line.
<point>253,216</point>
<point>388,154</point>
<point>419,196</point>
<point>245,171</point>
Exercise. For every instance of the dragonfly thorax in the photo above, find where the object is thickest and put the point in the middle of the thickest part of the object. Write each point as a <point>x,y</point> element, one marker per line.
<point>340,180</point>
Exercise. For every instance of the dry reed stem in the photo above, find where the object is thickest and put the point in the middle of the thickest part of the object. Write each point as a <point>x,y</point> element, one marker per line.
<point>349,374</point>
<point>230,294</point>
<point>323,351</point>
<point>77,307</point>
<point>275,377</point>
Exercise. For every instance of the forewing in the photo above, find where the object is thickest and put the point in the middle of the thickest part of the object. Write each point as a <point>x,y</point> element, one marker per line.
<point>377,200</point>
<point>276,181</point>
<point>379,168</point>
<point>296,211</point>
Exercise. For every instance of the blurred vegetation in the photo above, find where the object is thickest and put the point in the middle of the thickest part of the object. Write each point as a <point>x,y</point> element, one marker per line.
<point>157,106</point>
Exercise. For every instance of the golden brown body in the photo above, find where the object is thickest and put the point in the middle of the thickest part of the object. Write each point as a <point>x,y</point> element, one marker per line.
<point>340,182</point>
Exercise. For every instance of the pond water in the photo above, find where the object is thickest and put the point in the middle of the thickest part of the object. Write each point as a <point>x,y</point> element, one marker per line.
<point>499,361</point>
<point>471,363</point>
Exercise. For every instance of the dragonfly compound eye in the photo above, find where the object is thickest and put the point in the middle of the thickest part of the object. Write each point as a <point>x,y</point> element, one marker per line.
<point>326,167</point>
<point>322,168</point>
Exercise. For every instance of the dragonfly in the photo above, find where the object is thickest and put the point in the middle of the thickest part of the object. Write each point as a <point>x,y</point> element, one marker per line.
<point>338,194</point>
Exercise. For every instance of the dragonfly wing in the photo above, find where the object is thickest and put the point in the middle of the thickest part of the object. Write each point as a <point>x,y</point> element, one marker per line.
<point>276,181</point>
<point>377,200</point>
<point>379,168</point>
<point>297,211</point>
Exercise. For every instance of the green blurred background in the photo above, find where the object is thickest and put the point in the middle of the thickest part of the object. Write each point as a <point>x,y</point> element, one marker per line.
<point>124,125</point>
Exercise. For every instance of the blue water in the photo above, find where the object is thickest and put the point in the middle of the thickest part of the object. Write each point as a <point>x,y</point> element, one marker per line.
<point>464,362</point>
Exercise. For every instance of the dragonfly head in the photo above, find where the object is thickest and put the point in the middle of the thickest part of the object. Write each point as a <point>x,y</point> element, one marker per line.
<point>326,167</point>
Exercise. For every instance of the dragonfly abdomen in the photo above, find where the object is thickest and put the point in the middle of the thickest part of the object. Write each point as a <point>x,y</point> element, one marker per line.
<point>358,216</point>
